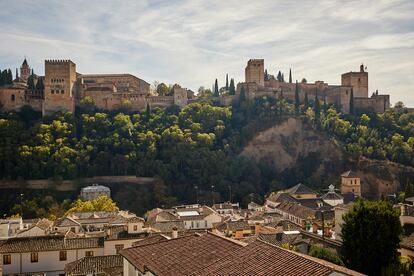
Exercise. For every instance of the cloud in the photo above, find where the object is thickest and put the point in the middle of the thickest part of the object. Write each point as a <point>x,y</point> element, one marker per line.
<point>192,42</point>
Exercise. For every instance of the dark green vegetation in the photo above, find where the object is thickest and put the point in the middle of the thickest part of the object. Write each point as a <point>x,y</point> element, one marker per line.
<point>190,149</point>
<point>325,254</point>
<point>371,236</point>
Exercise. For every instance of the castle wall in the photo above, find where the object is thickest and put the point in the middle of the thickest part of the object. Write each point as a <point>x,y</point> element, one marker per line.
<point>377,103</point>
<point>180,96</point>
<point>123,82</point>
<point>60,78</point>
<point>12,97</point>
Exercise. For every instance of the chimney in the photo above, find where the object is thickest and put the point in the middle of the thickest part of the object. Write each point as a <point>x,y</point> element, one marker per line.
<point>174,232</point>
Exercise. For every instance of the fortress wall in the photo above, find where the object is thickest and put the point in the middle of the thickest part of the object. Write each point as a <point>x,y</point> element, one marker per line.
<point>12,97</point>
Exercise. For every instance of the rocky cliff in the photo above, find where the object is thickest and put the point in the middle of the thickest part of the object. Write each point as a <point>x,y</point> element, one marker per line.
<point>298,151</point>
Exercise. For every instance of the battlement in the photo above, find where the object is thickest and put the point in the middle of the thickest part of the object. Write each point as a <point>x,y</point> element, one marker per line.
<point>255,61</point>
<point>58,61</point>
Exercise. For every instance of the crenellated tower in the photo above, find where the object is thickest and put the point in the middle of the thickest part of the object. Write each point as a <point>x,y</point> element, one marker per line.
<point>60,78</point>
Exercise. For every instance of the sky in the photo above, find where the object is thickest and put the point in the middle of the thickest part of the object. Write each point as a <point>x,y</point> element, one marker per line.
<point>192,42</point>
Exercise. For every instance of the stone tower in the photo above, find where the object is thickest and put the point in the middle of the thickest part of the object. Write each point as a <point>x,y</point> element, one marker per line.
<point>254,71</point>
<point>350,183</point>
<point>24,71</point>
<point>358,81</point>
<point>60,78</point>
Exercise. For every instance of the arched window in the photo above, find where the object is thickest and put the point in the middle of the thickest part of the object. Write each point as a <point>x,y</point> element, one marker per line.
<point>13,98</point>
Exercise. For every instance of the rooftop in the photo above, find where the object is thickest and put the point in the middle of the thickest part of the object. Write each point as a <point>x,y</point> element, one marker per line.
<point>93,265</point>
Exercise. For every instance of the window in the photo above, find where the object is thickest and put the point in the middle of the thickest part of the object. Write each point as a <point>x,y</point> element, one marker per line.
<point>89,254</point>
<point>62,91</point>
<point>135,227</point>
<point>6,259</point>
<point>13,97</point>
<point>118,247</point>
<point>34,257</point>
<point>62,255</point>
<point>52,91</point>
<point>73,229</point>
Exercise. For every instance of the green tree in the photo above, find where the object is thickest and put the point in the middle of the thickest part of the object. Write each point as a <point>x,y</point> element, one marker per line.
<point>102,203</point>
<point>227,82</point>
<point>162,89</point>
<point>306,101</point>
<point>290,76</point>
<point>266,75</point>
<point>30,83</point>
<point>371,236</point>
<point>297,101</point>
<point>232,89</point>
<point>242,94</point>
<point>216,89</point>
<point>317,109</point>
<point>325,254</point>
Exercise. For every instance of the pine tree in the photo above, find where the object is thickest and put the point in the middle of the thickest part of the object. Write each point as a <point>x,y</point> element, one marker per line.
<point>227,82</point>
<point>1,78</point>
<point>306,101</point>
<point>290,76</point>
<point>283,77</point>
<point>17,74</point>
<point>351,102</point>
<point>232,90</point>
<point>266,75</point>
<point>216,89</point>
<point>297,101</point>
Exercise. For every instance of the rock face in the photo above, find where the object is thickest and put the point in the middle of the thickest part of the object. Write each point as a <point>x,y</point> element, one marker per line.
<point>289,142</point>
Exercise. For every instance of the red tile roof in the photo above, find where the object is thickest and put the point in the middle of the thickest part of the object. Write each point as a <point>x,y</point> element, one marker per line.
<point>180,256</point>
<point>261,258</point>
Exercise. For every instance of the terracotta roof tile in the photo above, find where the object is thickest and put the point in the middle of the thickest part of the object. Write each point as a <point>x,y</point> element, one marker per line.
<point>93,265</point>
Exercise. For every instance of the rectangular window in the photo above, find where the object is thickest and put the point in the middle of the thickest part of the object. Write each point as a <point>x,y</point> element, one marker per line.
<point>118,247</point>
<point>135,227</point>
<point>52,91</point>
<point>62,256</point>
<point>62,91</point>
<point>89,254</point>
<point>6,259</point>
<point>34,257</point>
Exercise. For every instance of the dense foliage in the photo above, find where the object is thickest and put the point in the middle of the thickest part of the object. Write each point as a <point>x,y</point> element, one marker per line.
<point>325,254</point>
<point>102,203</point>
<point>371,236</point>
<point>191,149</point>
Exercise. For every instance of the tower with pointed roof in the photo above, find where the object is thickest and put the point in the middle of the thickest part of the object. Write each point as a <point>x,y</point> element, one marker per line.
<point>24,71</point>
<point>350,183</point>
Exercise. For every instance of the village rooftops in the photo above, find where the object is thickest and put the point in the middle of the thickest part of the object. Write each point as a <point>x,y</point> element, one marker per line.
<point>300,189</point>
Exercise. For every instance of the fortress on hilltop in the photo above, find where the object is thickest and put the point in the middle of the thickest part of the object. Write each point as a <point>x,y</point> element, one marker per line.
<point>352,83</point>
<point>62,89</point>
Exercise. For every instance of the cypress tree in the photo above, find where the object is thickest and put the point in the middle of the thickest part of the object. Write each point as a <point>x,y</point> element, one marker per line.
<point>279,76</point>
<point>216,89</point>
<point>351,102</point>
<point>9,76</point>
<point>232,90</point>
<point>290,76</point>
<point>297,101</point>
<point>325,106</point>
<point>32,72</point>
<point>317,109</point>
<point>283,77</point>
<point>30,83</point>
<point>227,82</point>
<point>17,74</point>
<point>1,78</point>
<point>147,112</point>
<point>242,94</point>
<point>266,75</point>
<point>306,101</point>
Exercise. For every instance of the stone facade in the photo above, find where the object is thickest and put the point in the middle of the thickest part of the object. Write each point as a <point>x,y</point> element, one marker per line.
<point>255,85</point>
<point>64,88</point>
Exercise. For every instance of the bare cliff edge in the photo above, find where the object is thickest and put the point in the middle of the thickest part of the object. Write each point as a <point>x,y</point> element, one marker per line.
<point>291,144</point>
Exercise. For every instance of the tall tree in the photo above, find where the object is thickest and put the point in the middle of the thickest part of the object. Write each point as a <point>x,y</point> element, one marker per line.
<point>148,112</point>
<point>325,106</point>
<point>371,236</point>
<point>9,76</point>
<point>232,89</point>
<point>279,76</point>
<point>351,102</point>
<point>227,82</point>
<point>216,89</point>
<point>317,110</point>
<point>283,77</point>
<point>306,101</point>
<point>297,101</point>
<point>266,75</point>
<point>242,94</point>
<point>30,83</point>
<point>290,76</point>
<point>17,74</point>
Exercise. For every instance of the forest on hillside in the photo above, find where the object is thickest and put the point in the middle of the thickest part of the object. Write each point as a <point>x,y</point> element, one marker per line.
<point>194,150</point>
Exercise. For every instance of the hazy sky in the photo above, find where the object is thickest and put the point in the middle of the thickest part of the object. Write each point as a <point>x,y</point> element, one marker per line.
<point>192,42</point>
